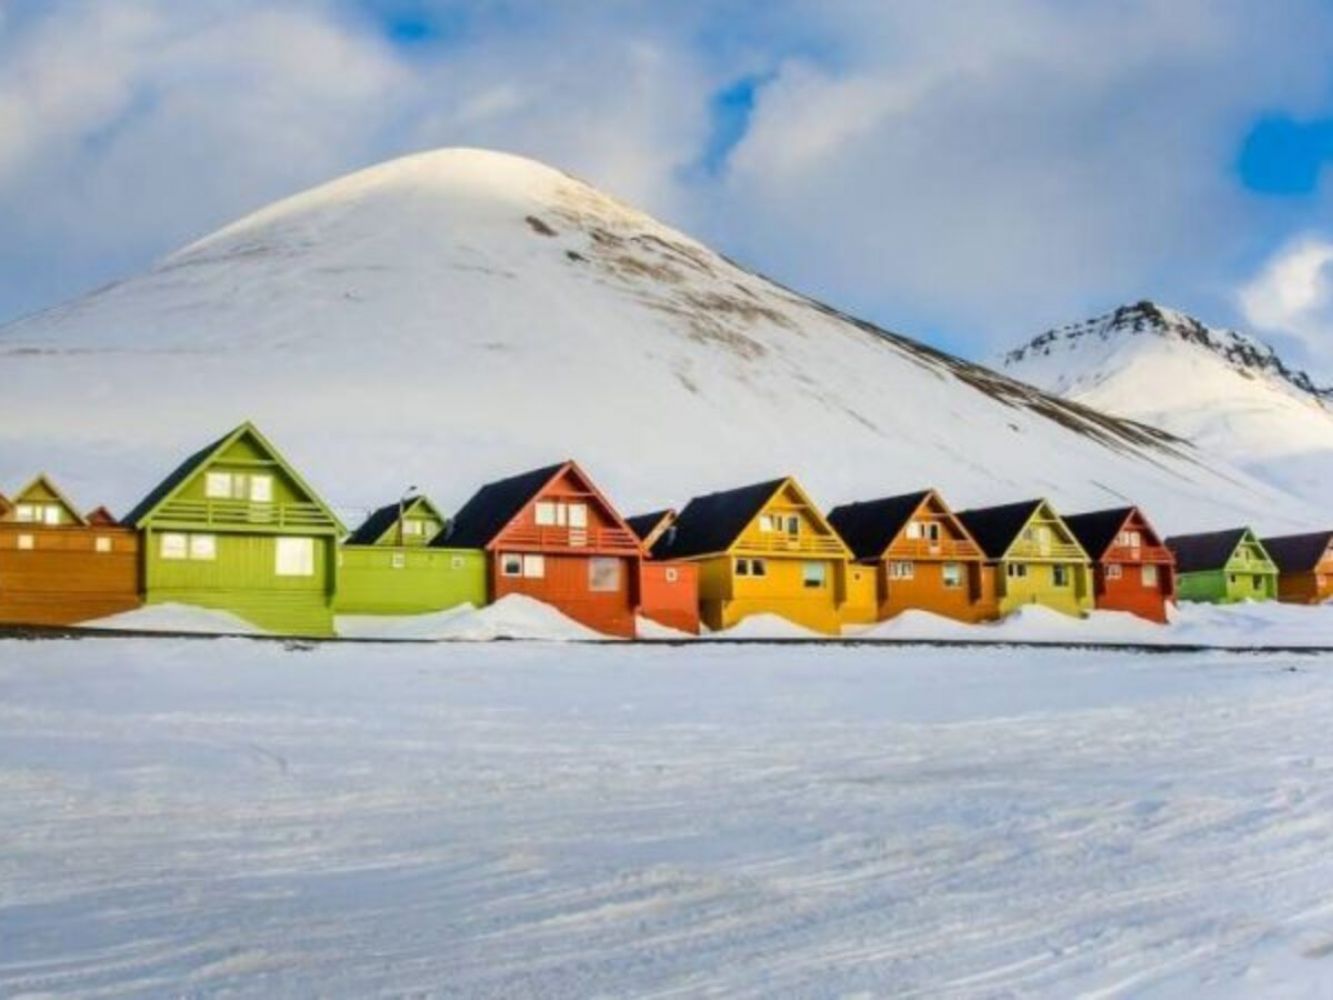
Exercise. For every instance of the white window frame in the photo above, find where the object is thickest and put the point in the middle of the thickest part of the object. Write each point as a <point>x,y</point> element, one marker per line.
<point>203,548</point>
<point>817,582</point>
<point>672,574</point>
<point>26,513</point>
<point>603,563</point>
<point>511,564</point>
<point>534,566</point>
<point>1059,570</point>
<point>1114,571</point>
<point>742,567</point>
<point>758,567</point>
<point>545,513</point>
<point>173,546</point>
<point>913,530</point>
<point>26,543</point>
<point>261,489</point>
<point>102,544</point>
<point>51,515</point>
<point>767,524</point>
<point>956,568</point>
<point>1148,575</point>
<point>578,516</point>
<point>217,485</point>
<point>902,569</point>
<point>793,525</point>
<point>293,556</point>
<point>1016,571</point>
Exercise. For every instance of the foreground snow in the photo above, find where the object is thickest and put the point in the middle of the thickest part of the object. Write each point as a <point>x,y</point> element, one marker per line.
<point>185,817</point>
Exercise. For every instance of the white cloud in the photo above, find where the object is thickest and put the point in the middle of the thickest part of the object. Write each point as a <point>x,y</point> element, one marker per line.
<point>1292,295</point>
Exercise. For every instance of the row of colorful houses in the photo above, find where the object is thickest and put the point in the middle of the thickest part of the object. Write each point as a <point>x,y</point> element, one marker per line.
<point>235,527</point>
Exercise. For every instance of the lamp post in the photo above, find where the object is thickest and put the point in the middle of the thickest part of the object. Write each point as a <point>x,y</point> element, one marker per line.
<point>402,510</point>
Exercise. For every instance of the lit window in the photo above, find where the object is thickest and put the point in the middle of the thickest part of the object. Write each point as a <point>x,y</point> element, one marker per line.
<point>511,565</point>
<point>102,545</point>
<point>203,547</point>
<point>26,513</point>
<point>217,486</point>
<point>398,560</point>
<point>261,489</point>
<point>534,567</point>
<point>767,523</point>
<point>813,575</point>
<point>174,546</point>
<point>1114,571</point>
<point>1149,575</point>
<point>604,574</point>
<point>913,529</point>
<point>578,515</point>
<point>413,528</point>
<point>294,557</point>
<point>545,514</point>
<point>26,542</point>
<point>952,574</point>
<point>51,515</point>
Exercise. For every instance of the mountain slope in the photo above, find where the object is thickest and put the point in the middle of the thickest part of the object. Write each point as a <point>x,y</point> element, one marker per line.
<point>458,315</point>
<point>1226,392</point>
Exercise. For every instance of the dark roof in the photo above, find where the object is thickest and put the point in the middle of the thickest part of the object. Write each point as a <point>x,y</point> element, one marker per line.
<point>492,507</point>
<point>1097,529</point>
<point>101,516</point>
<point>643,525</point>
<point>1298,553</point>
<point>1210,550</point>
<point>870,526</point>
<point>372,529</point>
<point>995,528</point>
<point>712,523</point>
<point>178,475</point>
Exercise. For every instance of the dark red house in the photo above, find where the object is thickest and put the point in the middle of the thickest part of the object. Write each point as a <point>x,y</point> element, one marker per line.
<point>552,535</point>
<point>1132,570</point>
<point>668,588</point>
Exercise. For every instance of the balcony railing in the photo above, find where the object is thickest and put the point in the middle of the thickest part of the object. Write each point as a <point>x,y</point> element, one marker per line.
<point>803,544</point>
<point>924,548</point>
<point>1144,554</point>
<point>552,537</point>
<point>243,513</point>
<point>1050,550</point>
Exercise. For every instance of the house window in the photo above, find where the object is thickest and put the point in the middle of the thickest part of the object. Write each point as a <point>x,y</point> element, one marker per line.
<point>1148,575</point>
<point>902,570</point>
<point>952,575</point>
<point>672,574</point>
<point>793,524</point>
<point>578,515</point>
<point>51,515</point>
<point>933,531</point>
<point>1060,575</point>
<point>294,557</point>
<point>26,542</point>
<point>175,546</point>
<point>742,567</point>
<point>1257,581</point>
<point>261,489</point>
<point>767,523</point>
<point>26,513</point>
<point>413,528</point>
<point>1231,577</point>
<point>603,574</point>
<point>398,560</point>
<point>914,529</point>
<point>1114,571</point>
<point>217,485</point>
<point>511,565</point>
<point>758,567</point>
<point>1016,571</point>
<point>813,575</point>
<point>545,514</point>
<point>102,545</point>
<point>534,567</point>
<point>203,547</point>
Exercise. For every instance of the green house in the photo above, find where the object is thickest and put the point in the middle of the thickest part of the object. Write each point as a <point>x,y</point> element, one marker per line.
<point>236,528</point>
<point>1221,567</point>
<point>387,566</point>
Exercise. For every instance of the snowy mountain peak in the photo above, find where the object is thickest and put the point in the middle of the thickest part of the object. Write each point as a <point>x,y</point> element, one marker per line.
<point>1241,352</point>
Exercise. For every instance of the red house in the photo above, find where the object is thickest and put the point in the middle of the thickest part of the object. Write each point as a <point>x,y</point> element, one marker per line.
<point>1132,570</point>
<point>668,588</point>
<point>552,535</point>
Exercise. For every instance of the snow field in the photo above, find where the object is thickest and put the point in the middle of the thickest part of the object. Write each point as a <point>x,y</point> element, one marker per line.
<point>568,821</point>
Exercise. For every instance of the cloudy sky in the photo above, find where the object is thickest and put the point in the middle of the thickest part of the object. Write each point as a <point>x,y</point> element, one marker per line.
<point>969,172</point>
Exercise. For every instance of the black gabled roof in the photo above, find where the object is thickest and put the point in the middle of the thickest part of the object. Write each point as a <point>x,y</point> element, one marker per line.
<point>1097,529</point>
<point>712,523</point>
<point>372,529</point>
<point>995,528</point>
<point>870,526</point>
<point>178,475</point>
<point>1298,553</point>
<point>1209,550</point>
<point>492,507</point>
<point>644,525</point>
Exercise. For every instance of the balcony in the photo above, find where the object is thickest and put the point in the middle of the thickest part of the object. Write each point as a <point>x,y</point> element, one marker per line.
<point>242,514</point>
<point>778,543</point>
<point>924,548</point>
<point>547,538</point>
<point>1052,551</point>
<point>1144,554</point>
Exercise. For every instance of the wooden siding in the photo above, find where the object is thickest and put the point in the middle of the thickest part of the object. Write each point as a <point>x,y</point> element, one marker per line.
<point>1122,588</point>
<point>408,580</point>
<point>64,579</point>
<point>669,594</point>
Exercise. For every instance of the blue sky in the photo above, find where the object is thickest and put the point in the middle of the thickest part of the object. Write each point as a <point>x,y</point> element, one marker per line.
<point>969,173</point>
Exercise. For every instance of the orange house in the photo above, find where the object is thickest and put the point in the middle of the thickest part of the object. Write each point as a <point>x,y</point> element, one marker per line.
<point>1132,570</point>
<point>552,535</point>
<point>60,567</point>
<point>1304,565</point>
<point>924,557</point>
<point>668,588</point>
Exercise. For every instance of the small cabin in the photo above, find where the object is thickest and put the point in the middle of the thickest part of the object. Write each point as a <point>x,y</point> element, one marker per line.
<point>922,556</point>
<point>60,567</point>
<point>1132,569</point>
<point>1223,567</point>
<point>1304,565</point>
<point>1036,558</point>
<point>387,566</point>
<point>668,589</point>
<point>236,528</point>
<point>552,535</point>
<point>767,549</point>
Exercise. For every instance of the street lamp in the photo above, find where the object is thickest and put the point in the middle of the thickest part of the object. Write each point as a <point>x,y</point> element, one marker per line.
<point>402,510</point>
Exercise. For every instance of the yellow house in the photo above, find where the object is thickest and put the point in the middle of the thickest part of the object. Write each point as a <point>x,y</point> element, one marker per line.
<point>766,549</point>
<point>1036,557</point>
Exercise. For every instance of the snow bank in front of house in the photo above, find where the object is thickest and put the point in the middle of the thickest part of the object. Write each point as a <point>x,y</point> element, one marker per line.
<point>516,617</point>
<point>176,618</point>
<point>767,626</point>
<point>650,629</point>
<point>432,625</point>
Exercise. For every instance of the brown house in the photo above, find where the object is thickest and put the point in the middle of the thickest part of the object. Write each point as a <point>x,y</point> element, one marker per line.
<point>924,558</point>
<point>59,567</point>
<point>1305,566</point>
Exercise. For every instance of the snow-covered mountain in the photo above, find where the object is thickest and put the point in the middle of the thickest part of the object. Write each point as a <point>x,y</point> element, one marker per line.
<point>458,315</point>
<point>1224,391</point>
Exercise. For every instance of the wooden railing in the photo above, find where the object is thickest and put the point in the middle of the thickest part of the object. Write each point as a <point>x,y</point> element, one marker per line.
<point>243,513</point>
<point>553,537</point>
<point>779,542</point>
<point>1145,553</point>
<point>1052,550</point>
<point>924,548</point>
